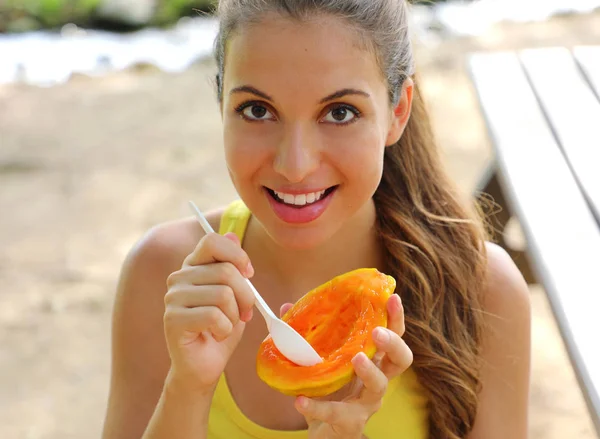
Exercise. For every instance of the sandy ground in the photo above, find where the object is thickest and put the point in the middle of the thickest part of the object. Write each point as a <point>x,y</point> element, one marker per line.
<point>87,167</point>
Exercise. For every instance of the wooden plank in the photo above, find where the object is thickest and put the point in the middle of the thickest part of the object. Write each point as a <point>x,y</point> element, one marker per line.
<point>573,111</point>
<point>562,234</point>
<point>588,58</point>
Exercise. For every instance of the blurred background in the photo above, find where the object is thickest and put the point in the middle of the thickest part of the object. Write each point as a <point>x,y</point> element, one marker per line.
<point>109,124</point>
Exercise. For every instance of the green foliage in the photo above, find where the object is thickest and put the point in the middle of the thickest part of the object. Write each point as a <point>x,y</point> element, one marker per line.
<point>24,15</point>
<point>169,11</point>
<point>46,13</point>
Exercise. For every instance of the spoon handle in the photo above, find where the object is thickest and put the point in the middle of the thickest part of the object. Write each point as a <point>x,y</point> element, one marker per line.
<point>260,303</point>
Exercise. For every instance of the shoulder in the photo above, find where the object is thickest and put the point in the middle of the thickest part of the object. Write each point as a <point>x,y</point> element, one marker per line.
<point>505,291</point>
<point>163,248</point>
<point>506,351</point>
<point>160,252</point>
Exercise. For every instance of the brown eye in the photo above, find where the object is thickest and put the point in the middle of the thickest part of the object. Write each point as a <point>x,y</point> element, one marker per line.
<point>258,111</point>
<point>339,114</point>
<point>342,115</point>
<point>255,112</point>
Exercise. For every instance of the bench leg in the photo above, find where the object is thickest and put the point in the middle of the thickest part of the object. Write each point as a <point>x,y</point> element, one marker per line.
<point>499,217</point>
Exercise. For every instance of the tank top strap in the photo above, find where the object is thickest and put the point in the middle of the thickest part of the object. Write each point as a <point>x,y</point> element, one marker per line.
<point>235,219</point>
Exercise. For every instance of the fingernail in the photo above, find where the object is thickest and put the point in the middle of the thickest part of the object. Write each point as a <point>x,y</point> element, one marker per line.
<point>360,359</point>
<point>302,402</point>
<point>246,316</point>
<point>249,270</point>
<point>232,237</point>
<point>382,335</point>
<point>398,303</point>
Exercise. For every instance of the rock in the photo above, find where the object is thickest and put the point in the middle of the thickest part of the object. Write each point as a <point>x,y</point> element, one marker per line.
<point>127,12</point>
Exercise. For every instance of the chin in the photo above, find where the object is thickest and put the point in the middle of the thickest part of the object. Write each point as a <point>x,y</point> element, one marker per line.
<point>300,239</point>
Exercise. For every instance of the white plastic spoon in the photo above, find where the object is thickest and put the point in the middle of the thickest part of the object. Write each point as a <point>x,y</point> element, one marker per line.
<point>291,344</point>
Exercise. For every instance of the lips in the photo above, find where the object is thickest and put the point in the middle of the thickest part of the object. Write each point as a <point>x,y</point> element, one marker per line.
<point>302,207</point>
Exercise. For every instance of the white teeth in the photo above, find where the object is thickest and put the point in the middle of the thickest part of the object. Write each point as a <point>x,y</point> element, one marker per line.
<point>300,200</point>
<point>287,198</point>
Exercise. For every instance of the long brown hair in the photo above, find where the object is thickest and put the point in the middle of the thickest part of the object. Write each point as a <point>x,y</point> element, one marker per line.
<point>434,240</point>
<point>436,251</point>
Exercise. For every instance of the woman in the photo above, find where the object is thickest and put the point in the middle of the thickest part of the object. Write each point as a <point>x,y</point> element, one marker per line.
<point>329,147</point>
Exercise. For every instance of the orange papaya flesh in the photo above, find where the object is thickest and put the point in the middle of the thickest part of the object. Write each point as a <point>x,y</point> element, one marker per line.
<point>337,319</point>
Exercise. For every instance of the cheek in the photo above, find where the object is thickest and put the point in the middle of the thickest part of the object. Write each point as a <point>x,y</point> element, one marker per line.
<point>359,155</point>
<point>246,146</point>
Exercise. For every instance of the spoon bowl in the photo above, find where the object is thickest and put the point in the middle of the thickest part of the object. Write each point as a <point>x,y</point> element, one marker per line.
<point>291,344</point>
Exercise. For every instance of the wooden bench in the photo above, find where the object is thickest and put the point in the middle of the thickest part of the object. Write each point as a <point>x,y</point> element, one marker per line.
<point>542,111</point>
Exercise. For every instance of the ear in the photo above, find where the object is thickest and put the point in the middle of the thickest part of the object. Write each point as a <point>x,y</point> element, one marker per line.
<point>401,113</point>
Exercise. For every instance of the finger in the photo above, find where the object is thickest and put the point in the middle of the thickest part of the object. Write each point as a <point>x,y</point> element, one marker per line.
<point>284,308</point>
<point>378,357</point>
<point>180,321</point>
<point>217,248</point>
<point>346,418</point>
<point>222,273</point>
<point>374,380</point>
<point>330,412</point>
<point>398,356</point>
<point>395,311</point>
<point>193,296</point>
<point>233,238</point>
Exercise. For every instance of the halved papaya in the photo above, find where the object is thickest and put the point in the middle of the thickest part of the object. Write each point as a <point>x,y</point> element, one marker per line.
<point>337,319</point>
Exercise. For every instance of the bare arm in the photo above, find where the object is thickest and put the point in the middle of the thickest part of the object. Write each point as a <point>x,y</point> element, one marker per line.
<point>140,361</point>
<point>142,397</point>
<point>179,414</point>
<point>504,399</point>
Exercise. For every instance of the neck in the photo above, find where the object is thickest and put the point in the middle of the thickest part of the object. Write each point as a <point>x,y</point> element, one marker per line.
<point>355,245</point>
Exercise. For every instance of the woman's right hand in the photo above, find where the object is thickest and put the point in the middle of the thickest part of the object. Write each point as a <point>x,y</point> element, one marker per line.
<point>206,307</point>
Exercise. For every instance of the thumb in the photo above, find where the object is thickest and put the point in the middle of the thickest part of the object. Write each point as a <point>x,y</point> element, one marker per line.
<point>284,308</point>
<point>234,338</point>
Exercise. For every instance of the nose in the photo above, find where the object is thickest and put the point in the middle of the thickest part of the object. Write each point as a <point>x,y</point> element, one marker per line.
<point>297,154</point>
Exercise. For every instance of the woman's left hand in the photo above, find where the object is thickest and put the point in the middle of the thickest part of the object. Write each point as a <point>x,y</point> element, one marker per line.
<point>345,413</point>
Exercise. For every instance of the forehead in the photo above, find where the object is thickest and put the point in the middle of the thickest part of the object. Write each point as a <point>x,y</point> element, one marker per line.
<point>313,52</point>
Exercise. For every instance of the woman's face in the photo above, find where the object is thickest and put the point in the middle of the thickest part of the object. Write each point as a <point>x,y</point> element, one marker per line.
<point>306,119</point>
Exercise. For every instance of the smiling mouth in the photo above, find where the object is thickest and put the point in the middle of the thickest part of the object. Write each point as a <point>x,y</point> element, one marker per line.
<point>301,200</point>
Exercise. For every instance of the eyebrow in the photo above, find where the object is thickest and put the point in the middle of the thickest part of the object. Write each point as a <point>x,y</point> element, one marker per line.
<point>344,92</point>
<point>336,95</point>
<point>251,90</point>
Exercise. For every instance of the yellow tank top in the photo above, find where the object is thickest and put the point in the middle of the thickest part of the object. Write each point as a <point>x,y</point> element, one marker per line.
<point>403,415</point>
